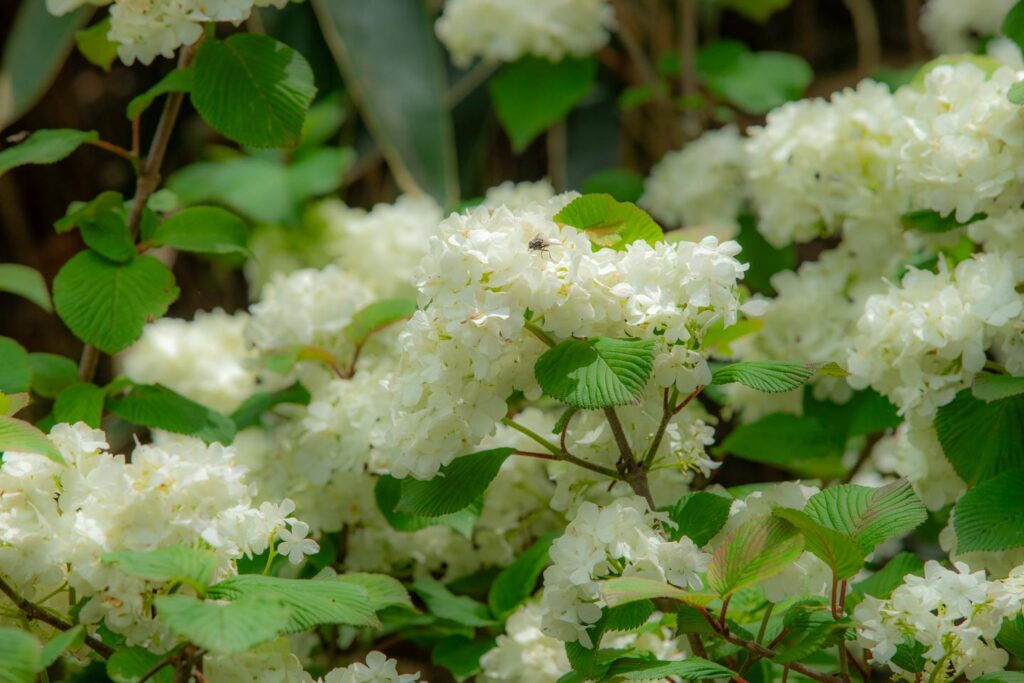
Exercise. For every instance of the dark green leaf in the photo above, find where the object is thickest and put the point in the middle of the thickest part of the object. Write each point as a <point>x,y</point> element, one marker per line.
<point>689,669</point>
<point>758,10</point>
<point>1011,636</point>
<point>15,369</point>
<point>51,374</point>
<point>44,147</point>
<point>388,491</point>
<point>178,80</point>
<point>609,223</point>
<point>108,235</point>
<point>868,515</point>
<point>460,655</point>
<point>699,516</point>
<point>81,402</point>
<point>596,373</point>
<point>457,486</point>
<point>250,412</point>
<point>981,439</point>
<point>1013,24</point>
<point>757,550</point>
<point>809,628</point>
<point>376,317</point>
<point>927,220</point>
<point>79,212</point>
<point>25,282</point>
<point>780,439</point>
<point>628,616</point>
<point>765,259</point>
<point>204,229</point>
<point>444,604</point>
<point>94,45</point>
<point>622,184</point>
<point>515,583</point>
<point>990,516</point>
<point>157,407</point>
<point>224,627</point>
<point>991,387</point>
<point>194,566</point>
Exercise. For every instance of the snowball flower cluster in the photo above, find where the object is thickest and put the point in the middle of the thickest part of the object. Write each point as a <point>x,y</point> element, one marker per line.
<point>955,613</point>
<point>914,452</point>
<point>618,539</point>
<point>518,195</point>
<point>524,653</point>
<point>377,669</point>
<point>505,30</point>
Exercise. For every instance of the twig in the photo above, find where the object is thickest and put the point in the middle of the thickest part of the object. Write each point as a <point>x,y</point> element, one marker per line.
<point>865,26</point>
<point>557,151</point>
<point>36,613</point>
<point>862,459</point>
<point>470,81</point>
<point>114,149</point>
<point>688,64</point>
<point>537,332</point>
<point>626,460</point>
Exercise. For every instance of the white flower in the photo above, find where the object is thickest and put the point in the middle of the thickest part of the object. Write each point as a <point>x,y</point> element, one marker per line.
<point>294,543</point>
<point>518,195</point>
<point>952,26</point>
<point>377,669</point>
<point>524,654</point>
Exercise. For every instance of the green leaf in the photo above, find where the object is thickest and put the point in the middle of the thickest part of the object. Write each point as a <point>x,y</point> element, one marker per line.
<point>51,374</point>
<point>204,229</point>
<point>319,172</point>
<point>79,212</point>
<point>927,220</point>
<point>178,80</point>
<point>382,590</point>
<point>19,656</point>
<point>63,641</point>
<point>174,564</point>
<point>810,627</point>
<point>108,304</point>
<point>755,82</point>
<point>622,184</point>
<point>868,515</point>
<point>764,258</point>
<point>689,669</point>
<point>157,407</point>
<point>757,550</point>
<point>867,412</point>
<point>531,94</point>
<point>758,10</point>
<point>457,486</point>
<point>18,435</point>
<point>981,439</point>
<point>699,516</point>
<point>596,373</point>
<point>780,439</point>
<point>990,516</point>
<point>515,583</point>
<point>15,369</point>
<point>404,73</point>
<point>886,580</point>
<point>388,492</point>
<point>107,233</point>
<point>626,589</point>
<point>609,223</point>
<point>27,283</point>
<point>772,376</point>
<point>628,616</point>
<point>444,604</point>
<point>460,655</point>
<point>831,547</point>
<point>1011,636</point>
<point>376,317</point>
<point>991,387</point>
<point>44,147</point>
<point>253,187</point>
<point>81,402</point>
<point>1016,93</point>
<point>224,627</point>
<point>250,412</point>
<point>1001,677</point>
<point>311,602</point>
<point>252,89</point>
<point>94,45</point>
<point>1013,24</point>
<point>130,664</point>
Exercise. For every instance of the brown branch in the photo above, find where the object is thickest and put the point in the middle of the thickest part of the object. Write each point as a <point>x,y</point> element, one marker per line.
<point>688,65</point>
<point>36,613</point>
<point>113,149</point>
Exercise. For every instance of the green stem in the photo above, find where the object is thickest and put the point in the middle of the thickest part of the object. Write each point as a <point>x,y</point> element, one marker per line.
<point>556,453</point>
<point>539,333</point>
<point>532,434</point>
<point>764,622</point>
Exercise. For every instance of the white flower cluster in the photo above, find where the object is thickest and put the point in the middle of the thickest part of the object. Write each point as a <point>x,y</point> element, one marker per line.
<point>57,520</point>
<point>914,452</point>
<point>468,348</point>
<point>619,539</point>
<point>505,30</point>
<point>145,29</point>
<point>377,669</point>
<point>953,26</point>
<point>518,195</point>
<point>954,613</point>
<point>524,653</point>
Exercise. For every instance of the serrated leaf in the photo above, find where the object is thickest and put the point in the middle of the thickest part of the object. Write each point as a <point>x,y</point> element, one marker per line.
<point>515,583</point>
<point>157,407</point>
<point>253,89</point>
<point>990,516</point>
<point>382,590</point>
<point>27,283</point>
<point>981,439</point>
<point>990,387</point>
<point>177,563</point>
<point>15,369</point>
<point>19,656</point>
<point>51,374</point>
<point>628,616</point>
<point>108,235</point>
<point>44,147</point>
<point>608,222</point>
<point>94,45</point>
<point>63,641</point>
<point>457,485</point>
<point>772,376</point>
<point>699,516</point>
<point>1011,636</point>
<point>108,304</point>
<point>130,664</point>
<point>531,94</point>
<point>910,655</point>
<point>444,604</point>
<point>310,602</point>
<point>689,669</point>
<point>626,589</point>
<point>178,80</point>
<point>809,628</point>
<point>224,627</point>
<point>376,317</point>
<point>831,547</point>
<point>757,550</point>
<point>927,220</point>
<point>596,373</point>
<point>81,402</point>
<point>249,413</point>
<point>205,230</point>
<point>18,435</point>
<point>388,492</point>
<point>868,515</point>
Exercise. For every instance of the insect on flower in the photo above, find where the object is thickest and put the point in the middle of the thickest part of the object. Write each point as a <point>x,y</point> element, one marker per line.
<point>538,243</point>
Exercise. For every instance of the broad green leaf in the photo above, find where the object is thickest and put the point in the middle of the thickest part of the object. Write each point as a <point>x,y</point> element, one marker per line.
<point>108,304</point>
<point>224,627</point>
<point>19,656</point>
<point>868,515</point>
<point>596,373</point>
<point>11,404</point>
<point>323,121</point>
<point>388,492</point>
<point>622,184</point>
<point>204,229</point>
<point>376,317</point>
<point>311,602</point>
<point>400,86</point>
<point>18,435</point>
<point>107,234</point>
<point>444,604</point>
<point>699,516</point>
<point>382,590</point>
<point>457,486</point>
<point>194,566</point>
<point>990,516</point>
<point>531,94</point>
<point>252,89</point>
<point>689,669</point>
<point>772,376</point>
<point>885,580</point>
<point>927,220</point>
<point>809,627</point>
<point>460,655</point>
<point>79,212</point>
<point>516,582</point>
<point>94,45</point>
<point>608,222</point>
<point>755,82</point>
<point>63,641</point>
<point>319,171</point>
<point>250,412</point>
<point>130,664</point>
<point>27,283</point>
<point>981,439</point>
<point>765,259</point>
<point>34,50</point>
<point>831,547</point>
<point>44,147</point>
<point>780,439</point>
<point>866,412</point>
<point>757,550</point>
<point>1011,636</point>
<point>1001,677</point>
<point>80,402</point>
<point>157,407</point>
<point>991,387</point>
<point>52,374</point>
<point>1016,93</point>
<point>1013,24</point>
<point>15,369</point>
<point>626,589</point>
<point>628,616</point>
<point>178,80</point>
<point>253,187</point>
